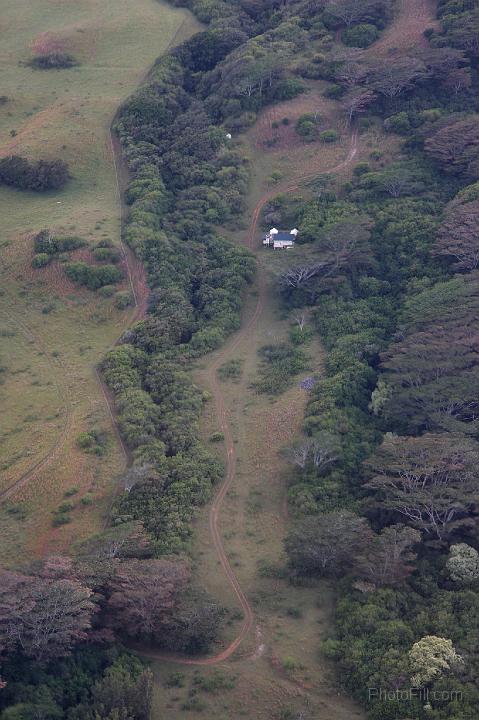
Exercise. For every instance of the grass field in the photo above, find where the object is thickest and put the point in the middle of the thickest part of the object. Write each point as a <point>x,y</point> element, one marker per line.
<point>52,334</point>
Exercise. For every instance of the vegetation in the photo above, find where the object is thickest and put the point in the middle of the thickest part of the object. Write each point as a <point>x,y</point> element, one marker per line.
<point>39,176</point>
<point>93,276</point>
<point>53,60</point>
<point>279,364</point>
<point>384,488</point>
<point>385,492</point>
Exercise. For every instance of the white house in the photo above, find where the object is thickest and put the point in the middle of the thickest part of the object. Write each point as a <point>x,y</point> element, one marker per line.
<point>280,239</point>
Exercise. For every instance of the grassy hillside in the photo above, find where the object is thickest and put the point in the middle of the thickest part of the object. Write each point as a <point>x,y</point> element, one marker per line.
<point>53,334</point>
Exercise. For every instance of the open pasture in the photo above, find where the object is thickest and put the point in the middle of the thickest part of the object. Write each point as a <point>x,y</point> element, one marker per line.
<point>53,334</point>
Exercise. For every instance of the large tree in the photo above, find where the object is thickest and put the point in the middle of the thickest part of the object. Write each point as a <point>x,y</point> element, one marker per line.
<point>431,481</point>
<point>327,544</point>
<point>458,236</point>
<point>394,77</point>
<point>143,594</point>
<point>455,145</point>
<point>389,559</point>
<point>43,618</point>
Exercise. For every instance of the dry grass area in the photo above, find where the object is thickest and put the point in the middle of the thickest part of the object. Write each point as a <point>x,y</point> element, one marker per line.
<point>53,334</point>
<point>407,31</point>
<point>275,167</point>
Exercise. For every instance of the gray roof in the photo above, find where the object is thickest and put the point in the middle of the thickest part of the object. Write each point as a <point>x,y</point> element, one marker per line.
<point>284,235</point>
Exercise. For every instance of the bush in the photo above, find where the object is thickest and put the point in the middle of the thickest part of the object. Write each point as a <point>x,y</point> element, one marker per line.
<point>93,442</point>
<point>123,300</point>
<point>66,507</point>
<point>300,336</point>
<point>279,363</point>
<point>334,91</point>
<point>107,291</point>
<point>329,136</point>
<point>231,369</point>
<point>40,176</point>
<point>41,260</point>
<point>398,123</point>
<point>361,35</point>
<point>306,126</point>
<point>217,437</point>
<point>288,89</point>
<point>61,519</point>
<point>53,60</point>
<point>71,491</point>
<point>361,169</point>
<point>103,254</point>
<point>92,276</point>
<point>47,242</point>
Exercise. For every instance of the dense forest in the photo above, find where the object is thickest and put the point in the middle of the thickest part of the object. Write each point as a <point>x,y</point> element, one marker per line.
<point>384,493</point>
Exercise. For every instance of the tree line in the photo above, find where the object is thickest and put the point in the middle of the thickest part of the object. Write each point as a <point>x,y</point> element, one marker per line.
<point>384,487</point>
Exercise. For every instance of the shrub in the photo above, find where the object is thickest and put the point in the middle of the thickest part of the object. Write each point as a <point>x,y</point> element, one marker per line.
<point>289,664</point>
<point>61,519</point>
<point>300,336</point>
<point>288,89</point>
<point>306,126</point>
<point>398,123</point>
<point>107,290</point>
<point>54,60</point>
<point>215,683</point>
<point>41,260</point>
<point>40,176</point>
<point>231,369</point>
<point>66,507</point>
<point>123,300</point>
<point>361,35</point>
<point>361,168</point>
<point>92,276</point>
<point>217,437</point>
<point>86,500</point>
<point>47,242</point>
<point>93,442</point>
<point>176,679</point>
<point>279,363</point>
<point>103,254</point>
<point>71,491</point>
<point>329,136</point>
<point>334,92</point>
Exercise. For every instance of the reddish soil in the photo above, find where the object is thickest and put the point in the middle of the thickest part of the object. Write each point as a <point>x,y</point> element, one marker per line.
<point>407,31</point>
<point>46,43</point>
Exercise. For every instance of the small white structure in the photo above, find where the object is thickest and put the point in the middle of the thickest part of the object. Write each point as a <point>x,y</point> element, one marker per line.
<point>280,239</point>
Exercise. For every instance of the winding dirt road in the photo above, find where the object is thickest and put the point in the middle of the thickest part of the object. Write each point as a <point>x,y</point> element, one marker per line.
<point>221,413</point>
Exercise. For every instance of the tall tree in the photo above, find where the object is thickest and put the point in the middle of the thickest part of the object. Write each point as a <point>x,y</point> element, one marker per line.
<point>327,544</point>
<point>42,617</point>
<point>458,236</point>
<point>431,480</point>
<point>389,559</point>
<point>143,595</point>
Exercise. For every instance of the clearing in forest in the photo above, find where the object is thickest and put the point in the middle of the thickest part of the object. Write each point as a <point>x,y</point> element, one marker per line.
<point>278,670</point>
